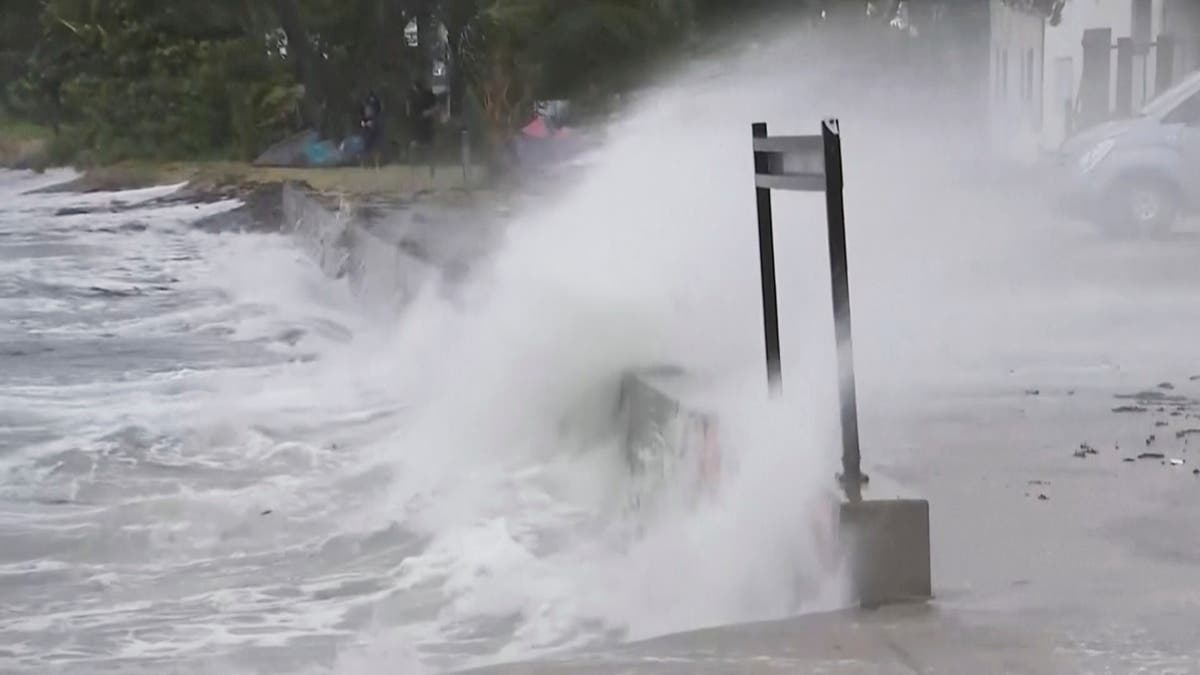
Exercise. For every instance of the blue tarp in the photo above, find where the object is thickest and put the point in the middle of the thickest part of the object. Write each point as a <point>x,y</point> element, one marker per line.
<point>308,149</point>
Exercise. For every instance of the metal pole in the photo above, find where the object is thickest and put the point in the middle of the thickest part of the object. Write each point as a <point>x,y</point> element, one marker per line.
<point>466,159</point>
<point>766,258</point>
<point>852,477</point>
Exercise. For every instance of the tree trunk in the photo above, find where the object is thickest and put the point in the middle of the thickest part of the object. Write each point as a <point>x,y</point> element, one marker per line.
<point>309,66</point>
<point>503,98</point>
<point>426,38</point>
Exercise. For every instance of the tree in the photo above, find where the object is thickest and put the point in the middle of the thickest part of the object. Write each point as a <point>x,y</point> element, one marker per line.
<point>129,78</point>
<point>1051,10</point>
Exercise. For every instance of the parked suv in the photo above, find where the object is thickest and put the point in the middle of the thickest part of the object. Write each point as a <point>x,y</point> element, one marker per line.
<point>1138,175</point>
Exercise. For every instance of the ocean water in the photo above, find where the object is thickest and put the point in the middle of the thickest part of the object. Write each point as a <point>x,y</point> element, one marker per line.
<point>215,459</point>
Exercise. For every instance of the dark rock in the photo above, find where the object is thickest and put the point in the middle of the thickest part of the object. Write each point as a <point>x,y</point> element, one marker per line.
<point>1081,454</point>
<point>1043,498</point>
<point>1157,396</point>
<point>261,210</point>
<point>291,336</point>
<point>1196,472</point>
<point>1150,440</point>
<point>266,513</point>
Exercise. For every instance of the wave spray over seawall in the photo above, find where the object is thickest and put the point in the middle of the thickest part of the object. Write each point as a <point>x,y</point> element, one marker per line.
<point>215,459</point>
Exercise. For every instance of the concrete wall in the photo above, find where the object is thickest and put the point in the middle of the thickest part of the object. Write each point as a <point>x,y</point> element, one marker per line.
<point>1181,18</point>
<point>380,272</point>
<point>1016,92</point>
<point>669,439</point>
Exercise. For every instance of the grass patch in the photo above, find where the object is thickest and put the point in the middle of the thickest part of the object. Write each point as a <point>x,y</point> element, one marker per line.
<point>16,131</point>
<point>23,145</point>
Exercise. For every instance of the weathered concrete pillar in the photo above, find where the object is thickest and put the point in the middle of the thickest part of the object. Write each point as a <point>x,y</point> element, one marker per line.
<point>887,541</point>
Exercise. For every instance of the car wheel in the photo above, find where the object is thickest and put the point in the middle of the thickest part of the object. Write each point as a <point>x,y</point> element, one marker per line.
<point>1142,207</point>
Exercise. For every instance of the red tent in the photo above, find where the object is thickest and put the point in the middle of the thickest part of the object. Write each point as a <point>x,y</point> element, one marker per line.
<point>538,129</point>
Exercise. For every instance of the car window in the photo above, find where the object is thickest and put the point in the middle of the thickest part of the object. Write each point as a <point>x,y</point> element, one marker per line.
<point>1169,99</point>
<point>1187,112</point>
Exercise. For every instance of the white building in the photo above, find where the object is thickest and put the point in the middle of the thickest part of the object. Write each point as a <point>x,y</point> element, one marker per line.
<point>1038,72</point>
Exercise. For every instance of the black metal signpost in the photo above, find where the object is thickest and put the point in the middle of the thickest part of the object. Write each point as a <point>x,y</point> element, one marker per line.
<point>810,164</point>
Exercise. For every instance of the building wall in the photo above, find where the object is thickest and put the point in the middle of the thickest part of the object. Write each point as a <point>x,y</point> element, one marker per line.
<point>1025,126</point>
<point>1016,92</point>
<point>1182,19</point>
<point>1064,57</point>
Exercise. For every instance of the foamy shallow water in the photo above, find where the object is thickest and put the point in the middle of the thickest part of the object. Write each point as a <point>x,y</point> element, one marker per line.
<point>169,490</point>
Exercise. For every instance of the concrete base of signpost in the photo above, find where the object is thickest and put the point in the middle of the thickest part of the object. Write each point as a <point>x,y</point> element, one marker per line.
<point>887,541</point>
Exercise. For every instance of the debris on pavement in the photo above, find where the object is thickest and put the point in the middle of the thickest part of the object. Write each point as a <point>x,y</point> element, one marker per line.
<point>1186,432</point>
<point>1151,455</point>
<point>1160,423</point>
<point>1177,462</point>
<point>1129,409</point>
<point>1129,459</point>
<point>1043,498</point>
<point>1148,397</point>
<point>1166,385</point>
<point>1150,440</point>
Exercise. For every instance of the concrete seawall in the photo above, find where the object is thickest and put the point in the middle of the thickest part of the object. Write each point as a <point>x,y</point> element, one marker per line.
<point>670,439</point>
<point>386,260</point>
<point>383,273</point>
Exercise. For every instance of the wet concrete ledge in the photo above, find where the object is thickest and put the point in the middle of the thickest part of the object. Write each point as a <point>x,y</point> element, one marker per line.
<point>902,639</point>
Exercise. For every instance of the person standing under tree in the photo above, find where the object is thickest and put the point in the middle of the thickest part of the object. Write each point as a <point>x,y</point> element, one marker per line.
<point>371,123</point>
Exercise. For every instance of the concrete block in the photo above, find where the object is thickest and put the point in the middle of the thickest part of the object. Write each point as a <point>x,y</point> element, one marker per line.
<point>887,541</point>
